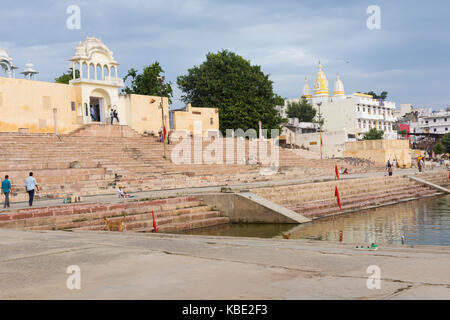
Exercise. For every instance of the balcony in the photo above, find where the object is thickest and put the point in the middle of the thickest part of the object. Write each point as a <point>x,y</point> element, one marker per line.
<point>108,81</point>
<point>365,115</point>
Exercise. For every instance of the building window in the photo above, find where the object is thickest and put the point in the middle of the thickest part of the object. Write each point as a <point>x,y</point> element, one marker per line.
<point>446,129</point>
<point>445,119</point>
<point>72,104</point>
<point>87,110</point>
<point>364,109</point>
<point>211,121</point>
<point>434,120</point>
<point>434,129</point>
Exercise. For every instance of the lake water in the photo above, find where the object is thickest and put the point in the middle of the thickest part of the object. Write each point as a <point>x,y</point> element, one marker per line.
<point>424,222</point>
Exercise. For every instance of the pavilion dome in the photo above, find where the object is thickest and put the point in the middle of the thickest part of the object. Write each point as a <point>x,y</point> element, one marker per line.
<point>86,49</point>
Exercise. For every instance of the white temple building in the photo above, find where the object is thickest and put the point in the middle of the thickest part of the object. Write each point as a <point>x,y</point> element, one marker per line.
<point>356,114</point>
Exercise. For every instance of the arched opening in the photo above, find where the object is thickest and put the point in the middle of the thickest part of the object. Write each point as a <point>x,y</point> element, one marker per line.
<point>105,72</point>
<point>77,70</point>
<point>99,72</point>
<point>113,72</point>
<point>84,69</point>
<point>91,71</point>
<point>99,101</point>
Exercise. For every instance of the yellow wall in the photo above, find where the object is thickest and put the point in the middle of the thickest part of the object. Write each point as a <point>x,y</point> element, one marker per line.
<point>184,120</point>
<point>22,105</point>
<point>380,151</point>
<point>144,115</point>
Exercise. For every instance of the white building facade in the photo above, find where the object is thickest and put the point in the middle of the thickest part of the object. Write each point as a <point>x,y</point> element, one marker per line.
<point>437,123</point>
<point>356,113</point>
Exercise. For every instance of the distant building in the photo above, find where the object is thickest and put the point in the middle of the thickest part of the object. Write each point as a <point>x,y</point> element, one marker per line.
<point>356,114</point>
<point>438,123</point>
<point>185,120</point>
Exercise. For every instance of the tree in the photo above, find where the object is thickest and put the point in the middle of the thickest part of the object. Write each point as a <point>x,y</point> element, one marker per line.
<point>146,83</point>
<point>66,77</point>
<point>438,148</point>
<point>383,95</point>
<point>374,134</point>
<point>446,142</point>
<point>302,110</point>
<point>241,91</point>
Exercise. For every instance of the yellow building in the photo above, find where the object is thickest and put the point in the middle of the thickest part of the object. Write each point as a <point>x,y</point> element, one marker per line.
<point>37,106</point>
<point>185,120</point>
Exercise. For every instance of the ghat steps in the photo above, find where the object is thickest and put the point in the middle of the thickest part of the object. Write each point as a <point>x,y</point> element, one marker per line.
<point>318,200</point>
<point>171,215</point>
<point>96,158</point>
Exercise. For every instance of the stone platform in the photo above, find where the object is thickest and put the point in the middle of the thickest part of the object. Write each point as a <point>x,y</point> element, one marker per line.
<point>150,266</point>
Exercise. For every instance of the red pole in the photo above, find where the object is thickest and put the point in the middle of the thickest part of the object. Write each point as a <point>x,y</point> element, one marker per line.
<point>154,221</point>
<point>336,194</point>
<point>336,170</point>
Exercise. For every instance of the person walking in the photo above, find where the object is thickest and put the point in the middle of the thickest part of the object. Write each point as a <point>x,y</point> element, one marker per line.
<point>116,115</point>
<point>6,189</point>
<point>31,185</point>
<point>391,169</point>
<point>111,115</point>
<point>93,117</point>
<point>388,164</point>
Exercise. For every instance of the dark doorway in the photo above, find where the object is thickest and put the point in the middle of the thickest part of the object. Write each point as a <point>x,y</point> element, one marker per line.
<point>95,105</point>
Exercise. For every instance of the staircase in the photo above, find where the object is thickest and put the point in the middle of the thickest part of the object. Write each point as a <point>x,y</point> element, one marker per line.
<point>171,215</point>
<point>317,200</point>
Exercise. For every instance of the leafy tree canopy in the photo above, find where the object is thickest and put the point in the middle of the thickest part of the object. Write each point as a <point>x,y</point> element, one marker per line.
<point>374,134</point>
<point>302,110</point>
<point>438,148</point>
<point>383,95</point>
<point>241,91</point>
<point>446,142</point>
<point>66,77</point>
<point>146,83</point>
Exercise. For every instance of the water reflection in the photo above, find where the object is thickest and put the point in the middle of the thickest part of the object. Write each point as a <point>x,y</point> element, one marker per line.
<point>425,221</point>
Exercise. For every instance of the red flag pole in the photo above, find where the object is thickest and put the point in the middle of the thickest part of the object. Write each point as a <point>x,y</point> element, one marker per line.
<point>154,221</point>
<point>336,170</point>
<point>336,194</point>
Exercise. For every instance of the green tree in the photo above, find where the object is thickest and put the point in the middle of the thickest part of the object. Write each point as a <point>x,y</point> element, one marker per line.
<point>146,83</point>
<point>445,141</point>
<point>374,134</point>
<point>383,95</point>
<point>241,91</point>
<point>302,110</point>
<point>438,148</point>
<point>66,77</point>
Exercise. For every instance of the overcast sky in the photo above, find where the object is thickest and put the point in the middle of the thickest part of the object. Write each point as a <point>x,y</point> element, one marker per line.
<point>409,56</point>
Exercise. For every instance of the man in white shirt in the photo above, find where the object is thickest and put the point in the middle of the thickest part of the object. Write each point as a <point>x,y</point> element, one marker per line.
<point>30,185</point>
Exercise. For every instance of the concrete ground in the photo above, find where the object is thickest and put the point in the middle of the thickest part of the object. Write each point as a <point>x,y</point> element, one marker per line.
<point>155,266</point>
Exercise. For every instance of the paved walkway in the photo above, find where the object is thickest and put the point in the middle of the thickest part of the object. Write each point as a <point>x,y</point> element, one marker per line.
<point>112,198</point>
<point>154,266</point>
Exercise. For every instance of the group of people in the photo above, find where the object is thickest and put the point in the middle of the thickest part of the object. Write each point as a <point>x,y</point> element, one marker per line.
<point>31,186</point>
<point>113,114</point>
<point>390,166</point>
<point>161,135</point>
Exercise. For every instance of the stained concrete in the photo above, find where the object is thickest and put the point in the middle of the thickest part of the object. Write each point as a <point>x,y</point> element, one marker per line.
<point>247,207</point>
<point>153,266</point>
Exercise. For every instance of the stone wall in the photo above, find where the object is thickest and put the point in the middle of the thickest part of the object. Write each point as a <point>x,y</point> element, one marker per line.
<point>380,151</point>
